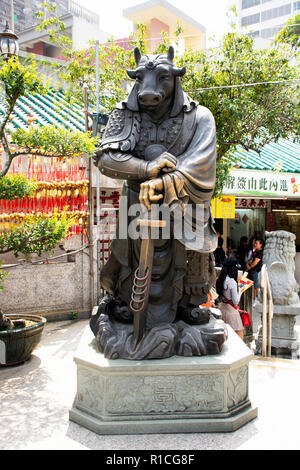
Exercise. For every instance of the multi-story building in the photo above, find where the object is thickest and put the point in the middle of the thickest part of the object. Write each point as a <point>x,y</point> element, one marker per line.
<point>81,25</point>
<point>24,12</point>
<point>159,16</point>
<point>265,18</point>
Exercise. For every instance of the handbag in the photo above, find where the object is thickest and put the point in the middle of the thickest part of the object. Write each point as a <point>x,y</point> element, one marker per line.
<point>245,316</point>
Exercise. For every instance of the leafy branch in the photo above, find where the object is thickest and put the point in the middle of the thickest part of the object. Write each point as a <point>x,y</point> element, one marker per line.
<point>18,80</point>
<point>16,187</point>
<point>290,33</point>
<point>48,141</point>
<point>38,234</point>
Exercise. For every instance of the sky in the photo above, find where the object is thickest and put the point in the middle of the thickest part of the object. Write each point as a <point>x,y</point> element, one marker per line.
<point>209,13</point>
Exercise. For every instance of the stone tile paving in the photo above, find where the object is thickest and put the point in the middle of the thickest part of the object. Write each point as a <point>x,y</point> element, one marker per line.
<point>36,398</point>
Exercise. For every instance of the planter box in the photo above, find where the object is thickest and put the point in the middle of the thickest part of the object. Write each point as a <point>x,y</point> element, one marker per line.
<point>16,345</point>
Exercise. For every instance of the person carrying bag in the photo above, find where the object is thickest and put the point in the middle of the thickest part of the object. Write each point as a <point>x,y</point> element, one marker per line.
<point>245,316</point>
<point>229,296</point>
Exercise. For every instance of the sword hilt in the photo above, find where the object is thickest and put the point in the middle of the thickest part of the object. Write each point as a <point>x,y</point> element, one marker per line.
<point>139,289</point>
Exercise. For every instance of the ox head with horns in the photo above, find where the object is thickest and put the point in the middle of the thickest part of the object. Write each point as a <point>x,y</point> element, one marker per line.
<point>157,80</point>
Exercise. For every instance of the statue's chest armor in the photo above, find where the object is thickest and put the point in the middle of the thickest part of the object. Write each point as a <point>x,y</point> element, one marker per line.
<point>156,138</point>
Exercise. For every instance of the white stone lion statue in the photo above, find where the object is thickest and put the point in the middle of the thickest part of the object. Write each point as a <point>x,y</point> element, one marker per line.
<point>279,257</point>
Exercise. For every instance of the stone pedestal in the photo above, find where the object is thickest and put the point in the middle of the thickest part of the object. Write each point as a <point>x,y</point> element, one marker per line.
<point>174,395</point>
<point>285,341</point>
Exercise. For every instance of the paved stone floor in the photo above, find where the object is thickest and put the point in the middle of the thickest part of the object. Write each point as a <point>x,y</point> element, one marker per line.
<point>36,397</point>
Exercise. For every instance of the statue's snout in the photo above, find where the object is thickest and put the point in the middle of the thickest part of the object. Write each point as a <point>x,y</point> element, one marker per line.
<point>148,99</point>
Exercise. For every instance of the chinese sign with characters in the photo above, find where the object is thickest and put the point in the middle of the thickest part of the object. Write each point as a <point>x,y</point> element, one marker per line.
<point>262,183</point>
<point>251,203</point>
<point>223,207</point>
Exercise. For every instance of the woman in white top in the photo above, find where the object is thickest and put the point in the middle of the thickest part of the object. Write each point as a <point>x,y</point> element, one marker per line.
<point>227,288</point>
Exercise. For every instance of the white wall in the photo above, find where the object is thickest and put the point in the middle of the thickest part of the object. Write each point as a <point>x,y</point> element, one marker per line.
<point>51,290</point>
<point>83,32</point>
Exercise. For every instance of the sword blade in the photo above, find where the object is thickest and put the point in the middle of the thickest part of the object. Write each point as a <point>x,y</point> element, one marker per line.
<point>142,282</point>
<point>142,289</point>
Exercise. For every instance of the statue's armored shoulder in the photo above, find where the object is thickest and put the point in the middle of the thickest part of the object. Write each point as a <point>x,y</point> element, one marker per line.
<point>122,130</point>
<point>115,123</point>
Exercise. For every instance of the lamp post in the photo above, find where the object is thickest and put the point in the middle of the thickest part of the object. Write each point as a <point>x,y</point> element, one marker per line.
<point>9,46</point>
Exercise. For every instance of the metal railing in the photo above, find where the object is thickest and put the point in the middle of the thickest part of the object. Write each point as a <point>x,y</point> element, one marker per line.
<point>267,312</point>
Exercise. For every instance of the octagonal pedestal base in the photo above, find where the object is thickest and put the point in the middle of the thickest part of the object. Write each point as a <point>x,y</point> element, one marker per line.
<point>174,395</point>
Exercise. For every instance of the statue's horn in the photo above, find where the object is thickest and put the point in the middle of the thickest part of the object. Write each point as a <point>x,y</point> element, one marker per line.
<point>170,53</point>
<point>179,72</point>
<point>137,55</point>
<point>131,73</point>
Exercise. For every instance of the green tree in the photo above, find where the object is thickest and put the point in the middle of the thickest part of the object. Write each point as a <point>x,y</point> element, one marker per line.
<point>22,79</point>
<point>15,187</point>
<point>290,33</point>
<point>253,95</point>
<point>38,234</point>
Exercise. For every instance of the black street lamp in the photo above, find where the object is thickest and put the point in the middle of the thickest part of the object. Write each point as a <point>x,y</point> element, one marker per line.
<point>9,46</point>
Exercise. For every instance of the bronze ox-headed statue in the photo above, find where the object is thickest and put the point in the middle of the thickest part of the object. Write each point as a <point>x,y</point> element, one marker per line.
<point>163,145</point>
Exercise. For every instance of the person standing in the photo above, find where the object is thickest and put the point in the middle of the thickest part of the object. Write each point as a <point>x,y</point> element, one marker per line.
<point>219,253</point>
<point>251,248</point>
<point>242,252</point>
<point>253,266</point>
<point>229,295</point>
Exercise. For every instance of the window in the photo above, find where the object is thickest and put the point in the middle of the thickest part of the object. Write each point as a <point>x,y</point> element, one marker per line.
<point>296,6</point>
<point>270,32</point>
<point>250,3</point>
<point>250,19</point>
<point>253,34</point>
<point>275,12</point>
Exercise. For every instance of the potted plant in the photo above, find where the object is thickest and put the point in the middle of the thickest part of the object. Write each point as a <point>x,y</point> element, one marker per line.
<point>19,336</point>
